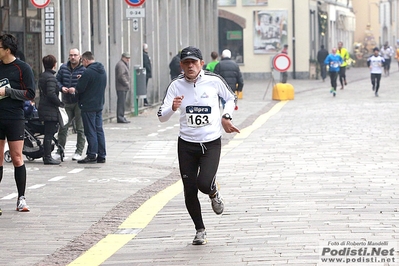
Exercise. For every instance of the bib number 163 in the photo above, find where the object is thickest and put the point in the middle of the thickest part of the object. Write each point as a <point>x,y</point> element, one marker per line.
<point>198,116</point>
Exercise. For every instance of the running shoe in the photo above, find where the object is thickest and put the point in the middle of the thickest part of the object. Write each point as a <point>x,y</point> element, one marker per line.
<point>1,212</point>
<point>21,205</point>
<point>332,89</point>
<point>334,93</point>
<point>76,157</point>
<point>200,237</point>
<point>217,203</point>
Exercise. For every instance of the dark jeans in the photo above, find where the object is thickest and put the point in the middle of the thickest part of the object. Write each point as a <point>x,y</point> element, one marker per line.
<point>198,163</point>
<point>120,105</point>
<point>375,80</point>
<point>333,78</point>
<point>93,127</point>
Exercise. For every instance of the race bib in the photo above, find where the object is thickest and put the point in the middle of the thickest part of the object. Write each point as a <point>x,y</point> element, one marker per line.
<point>198,116</point>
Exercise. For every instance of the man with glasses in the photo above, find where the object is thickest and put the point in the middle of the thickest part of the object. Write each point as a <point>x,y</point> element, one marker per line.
<point>17,85</point>
<point>67,78</point>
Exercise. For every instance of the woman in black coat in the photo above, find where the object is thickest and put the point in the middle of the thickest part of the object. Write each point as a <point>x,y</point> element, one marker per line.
<point>48,106</point>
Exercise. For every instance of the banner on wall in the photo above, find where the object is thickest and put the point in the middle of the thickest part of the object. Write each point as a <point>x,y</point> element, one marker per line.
<point>271,32</point>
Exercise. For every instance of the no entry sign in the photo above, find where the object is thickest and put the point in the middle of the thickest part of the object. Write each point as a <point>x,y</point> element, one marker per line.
<point>281,62</point>
<point>135,2</point>
<point>40,3</point>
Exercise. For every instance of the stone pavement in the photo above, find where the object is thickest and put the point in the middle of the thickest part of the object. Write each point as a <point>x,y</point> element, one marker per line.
<point>321,169</point>
<point>301,173</point>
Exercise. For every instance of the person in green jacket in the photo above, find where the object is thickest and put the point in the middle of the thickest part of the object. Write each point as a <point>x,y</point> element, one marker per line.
<point>211,65</point>
<point>342,70</point>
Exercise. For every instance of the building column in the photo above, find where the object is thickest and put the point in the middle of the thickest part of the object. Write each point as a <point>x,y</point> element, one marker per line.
<point>51,31</point>
<point>100,41</point>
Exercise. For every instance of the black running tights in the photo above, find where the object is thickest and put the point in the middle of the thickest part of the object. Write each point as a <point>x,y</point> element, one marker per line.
<point>198,164</point>
<point>375,80</point>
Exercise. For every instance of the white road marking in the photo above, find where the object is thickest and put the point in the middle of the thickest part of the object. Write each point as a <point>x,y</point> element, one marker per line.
<point>57,178</point>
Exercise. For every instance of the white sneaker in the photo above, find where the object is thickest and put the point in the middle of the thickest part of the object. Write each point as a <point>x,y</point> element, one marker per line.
<point>21,205</point>
<point>76,157</point>
<point>217,203</point>
<point>56,156</point>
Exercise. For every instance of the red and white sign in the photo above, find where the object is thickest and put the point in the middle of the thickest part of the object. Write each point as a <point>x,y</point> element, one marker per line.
<point>281,62</point>
<point>40,3</point>
<point>135,3</point>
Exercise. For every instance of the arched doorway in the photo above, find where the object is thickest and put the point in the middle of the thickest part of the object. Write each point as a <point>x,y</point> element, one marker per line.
<point>231,35</point>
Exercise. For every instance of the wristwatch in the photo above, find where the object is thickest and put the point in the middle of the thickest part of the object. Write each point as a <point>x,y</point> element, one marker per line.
<point>227,116</point>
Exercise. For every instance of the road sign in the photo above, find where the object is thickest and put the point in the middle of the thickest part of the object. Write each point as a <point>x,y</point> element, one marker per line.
<point>135,3</point>
<point>281,62</point>
<point>135,24</point>
<point>40,3</point>
<point>135,12</point>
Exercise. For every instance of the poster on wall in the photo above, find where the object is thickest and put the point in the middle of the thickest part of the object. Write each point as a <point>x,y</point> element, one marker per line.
<point>270,28</point>
<point>255,2</point>
<point>227,2</point>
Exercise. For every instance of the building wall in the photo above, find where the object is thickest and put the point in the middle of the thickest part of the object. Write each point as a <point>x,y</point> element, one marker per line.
<point>259,65</point>
<point>101,26</point>
<point>367,19</point>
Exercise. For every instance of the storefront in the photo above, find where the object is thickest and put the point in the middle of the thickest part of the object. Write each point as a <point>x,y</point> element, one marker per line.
<point>23,20</point>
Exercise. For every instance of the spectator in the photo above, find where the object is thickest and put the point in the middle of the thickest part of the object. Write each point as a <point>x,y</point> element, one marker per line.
<point>230,71</point>
<point>321,56</point>
<point>48,108</point>
<point>147,66</point>
<point>91,90</point>
<point>174,67</point>
<point>122,86</point>
<point>67,77</point>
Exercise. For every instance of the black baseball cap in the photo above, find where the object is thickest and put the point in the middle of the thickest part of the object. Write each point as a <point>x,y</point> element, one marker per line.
<point>190,53</point>
<point>375,49</point>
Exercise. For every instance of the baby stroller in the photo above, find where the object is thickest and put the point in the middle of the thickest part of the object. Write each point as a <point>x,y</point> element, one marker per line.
<point>33,141</point>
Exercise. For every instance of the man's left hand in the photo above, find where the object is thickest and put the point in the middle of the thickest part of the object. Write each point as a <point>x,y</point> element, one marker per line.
<point>228,126</point>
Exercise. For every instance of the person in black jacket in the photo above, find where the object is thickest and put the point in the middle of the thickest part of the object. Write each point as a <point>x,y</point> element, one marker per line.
<point>91,97</point>
<point>321,56</point>
<point>174,66</point>
<point>230,71</point>
<point>48,106</point>
<point>147,66</point>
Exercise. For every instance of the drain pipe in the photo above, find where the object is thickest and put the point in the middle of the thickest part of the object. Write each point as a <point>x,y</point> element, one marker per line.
<point>293,40</point>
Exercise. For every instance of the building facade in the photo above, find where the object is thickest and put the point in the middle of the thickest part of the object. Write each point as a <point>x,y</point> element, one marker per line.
<point>110,27</point>
<point>256,30</point>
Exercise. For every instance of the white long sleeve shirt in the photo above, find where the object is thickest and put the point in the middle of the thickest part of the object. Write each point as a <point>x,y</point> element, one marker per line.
<point>200,117</point>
